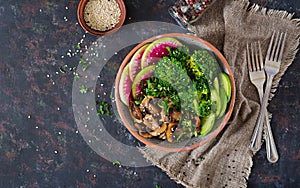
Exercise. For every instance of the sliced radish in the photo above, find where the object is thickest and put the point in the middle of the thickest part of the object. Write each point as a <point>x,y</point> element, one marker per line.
<point>125,86</point>
<point>157,49</point>
<point>142,75</point>
<point>135,62</point>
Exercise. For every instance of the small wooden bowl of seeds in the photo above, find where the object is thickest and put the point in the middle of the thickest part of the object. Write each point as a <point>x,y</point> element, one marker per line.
<point>101,17</point>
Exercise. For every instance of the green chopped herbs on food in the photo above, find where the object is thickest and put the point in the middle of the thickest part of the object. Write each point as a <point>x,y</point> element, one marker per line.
<point>158,186</point>
<point>179,70</point>
<point>83,89</point>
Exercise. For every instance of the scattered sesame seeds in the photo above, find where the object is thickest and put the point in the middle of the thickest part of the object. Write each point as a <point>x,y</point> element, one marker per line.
<point>55,151</point>
<point>28,116</point>
<point>66,8</point>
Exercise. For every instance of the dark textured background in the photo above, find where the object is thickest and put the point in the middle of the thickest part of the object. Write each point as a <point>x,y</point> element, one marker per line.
<point>39,142</point>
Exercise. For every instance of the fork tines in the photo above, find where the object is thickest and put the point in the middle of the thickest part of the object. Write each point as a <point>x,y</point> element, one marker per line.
<point>254,57</point>
<point>275,53</point>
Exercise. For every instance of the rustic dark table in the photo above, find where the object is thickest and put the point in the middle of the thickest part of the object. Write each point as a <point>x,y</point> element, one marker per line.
<point>40,145</point>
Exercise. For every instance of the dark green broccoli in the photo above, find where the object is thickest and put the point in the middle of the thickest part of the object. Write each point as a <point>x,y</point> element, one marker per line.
<point>206,63</point>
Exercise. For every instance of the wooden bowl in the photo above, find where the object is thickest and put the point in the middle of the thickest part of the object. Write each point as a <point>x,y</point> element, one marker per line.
<point>80,15</point>
<point>194,142</point>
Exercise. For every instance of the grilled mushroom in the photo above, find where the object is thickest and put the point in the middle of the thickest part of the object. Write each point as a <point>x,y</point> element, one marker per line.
<point>149,104</point>
<point>175,115</point>
<point>145,134</point>
<point>159,130</point>
<point>150,122</point>
<point>170,130</point>
<point>197,123</point>
<point>163,136</point>
<point>135,112</point>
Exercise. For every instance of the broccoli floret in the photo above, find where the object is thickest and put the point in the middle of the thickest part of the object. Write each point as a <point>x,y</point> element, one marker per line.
<point>206,63</point>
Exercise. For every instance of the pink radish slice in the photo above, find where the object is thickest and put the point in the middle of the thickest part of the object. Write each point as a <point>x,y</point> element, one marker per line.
<point>135,62</point>
<point>125,86</point>
<point>142,75</point>
<point>157,49</point>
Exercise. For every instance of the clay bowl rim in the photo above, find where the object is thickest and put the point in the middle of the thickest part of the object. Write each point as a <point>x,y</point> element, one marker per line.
<point>94,32</point>
<point>148,141</point>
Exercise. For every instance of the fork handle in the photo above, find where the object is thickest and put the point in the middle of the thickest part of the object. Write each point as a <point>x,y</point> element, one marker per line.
<point>256,138</point>
<point>272,154</point>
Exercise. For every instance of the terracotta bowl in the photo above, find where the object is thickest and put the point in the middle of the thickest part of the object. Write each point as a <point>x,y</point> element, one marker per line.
<point>80,15</point>
<point>124,113</point>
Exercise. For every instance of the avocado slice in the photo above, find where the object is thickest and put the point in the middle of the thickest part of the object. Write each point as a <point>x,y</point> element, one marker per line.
<point>225,84</point>
<point>207,123</point>
<point>216,84</point>
<point>216,102</point>
<point>223,102</point>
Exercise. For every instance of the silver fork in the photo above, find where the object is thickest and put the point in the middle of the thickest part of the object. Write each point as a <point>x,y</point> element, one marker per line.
<point>257,77</point>
<point>272,66</point>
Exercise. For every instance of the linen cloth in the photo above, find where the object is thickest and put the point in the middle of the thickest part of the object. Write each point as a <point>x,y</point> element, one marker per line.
<point>226,161</point>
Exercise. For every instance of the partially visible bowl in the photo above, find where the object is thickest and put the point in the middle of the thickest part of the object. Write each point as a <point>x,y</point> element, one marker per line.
<point>84,25</point>
<point>123,109</point>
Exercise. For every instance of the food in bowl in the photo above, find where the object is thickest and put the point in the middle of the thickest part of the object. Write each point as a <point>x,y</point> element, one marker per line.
<point>174,90</point>
<point>102,15</point>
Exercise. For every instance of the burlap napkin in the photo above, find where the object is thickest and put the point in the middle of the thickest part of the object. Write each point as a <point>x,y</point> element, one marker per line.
<point>227,160</point>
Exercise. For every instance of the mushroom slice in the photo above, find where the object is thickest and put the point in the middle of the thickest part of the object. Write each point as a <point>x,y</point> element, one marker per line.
<point>135,111</point>
<point>197,123</point>
<point>164,116</point>
<point>175,115</point>
<point>163,136</point>
<point>149,104</point>
<point>150,122</point>
<point>159,130</point>
<point>170,130</point>
<point>145,134</point>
